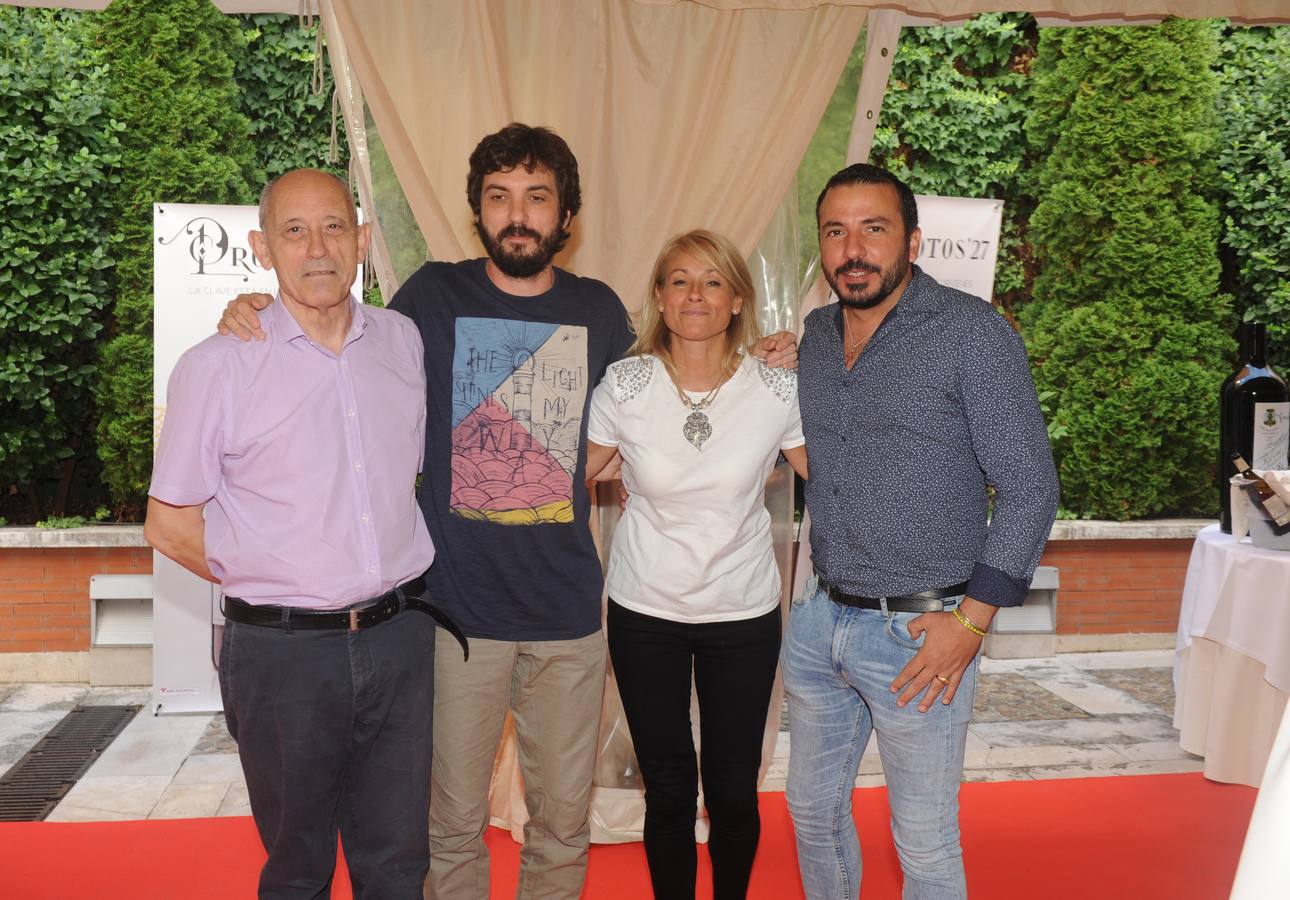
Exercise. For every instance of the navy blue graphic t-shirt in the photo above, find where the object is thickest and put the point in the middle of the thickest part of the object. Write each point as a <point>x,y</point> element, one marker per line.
<point>508,385</point>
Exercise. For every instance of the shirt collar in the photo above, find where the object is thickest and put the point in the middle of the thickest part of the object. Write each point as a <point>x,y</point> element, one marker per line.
<point>285,328</point>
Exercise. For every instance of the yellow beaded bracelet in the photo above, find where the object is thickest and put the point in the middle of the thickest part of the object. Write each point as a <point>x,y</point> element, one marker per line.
<point>968,623</point>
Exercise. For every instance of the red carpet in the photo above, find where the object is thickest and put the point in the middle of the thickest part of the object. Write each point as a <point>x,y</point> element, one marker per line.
<point>1124,838</point>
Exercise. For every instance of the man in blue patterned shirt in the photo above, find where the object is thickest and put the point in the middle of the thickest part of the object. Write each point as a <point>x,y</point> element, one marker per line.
<point>932,492</point>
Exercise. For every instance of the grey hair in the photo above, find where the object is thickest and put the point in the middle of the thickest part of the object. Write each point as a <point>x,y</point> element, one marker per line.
<point>266,194</point>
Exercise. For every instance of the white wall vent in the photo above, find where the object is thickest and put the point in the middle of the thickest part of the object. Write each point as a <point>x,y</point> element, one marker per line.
<point>121,610</point>
<point>1038,615</point>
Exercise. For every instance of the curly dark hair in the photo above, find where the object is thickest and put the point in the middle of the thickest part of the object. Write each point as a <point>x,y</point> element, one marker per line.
<point>533,148</point>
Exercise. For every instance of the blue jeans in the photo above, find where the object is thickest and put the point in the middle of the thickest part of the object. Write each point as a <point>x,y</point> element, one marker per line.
<point>838,665</point>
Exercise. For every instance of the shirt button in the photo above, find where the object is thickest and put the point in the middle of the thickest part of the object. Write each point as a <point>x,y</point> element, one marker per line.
<point>371,571</point>
<point>357,466</point>
<point>364,518</point>
<point>351,413</point>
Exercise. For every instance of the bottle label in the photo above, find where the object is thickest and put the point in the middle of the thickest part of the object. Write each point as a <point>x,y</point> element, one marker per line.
<point>1271,436</point>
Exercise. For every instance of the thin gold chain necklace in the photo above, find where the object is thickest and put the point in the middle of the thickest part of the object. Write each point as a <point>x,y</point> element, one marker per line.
<point>852,349</point>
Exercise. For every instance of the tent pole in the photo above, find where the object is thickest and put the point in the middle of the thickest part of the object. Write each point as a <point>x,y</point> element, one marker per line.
<point>882,35</point>
<point>351,104</point>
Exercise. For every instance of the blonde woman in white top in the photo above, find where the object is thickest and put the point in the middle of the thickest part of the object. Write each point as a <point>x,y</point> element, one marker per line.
<point>693,586</point>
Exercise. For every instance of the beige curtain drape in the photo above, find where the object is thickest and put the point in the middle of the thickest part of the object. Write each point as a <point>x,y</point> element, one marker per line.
<point>680,116</point>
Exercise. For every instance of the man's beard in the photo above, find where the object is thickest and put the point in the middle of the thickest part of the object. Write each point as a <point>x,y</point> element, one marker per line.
<point>520,264</point>
<point>856,297</point>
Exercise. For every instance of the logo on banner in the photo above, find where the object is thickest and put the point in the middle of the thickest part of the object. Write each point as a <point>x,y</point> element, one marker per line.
<point>211,250</point>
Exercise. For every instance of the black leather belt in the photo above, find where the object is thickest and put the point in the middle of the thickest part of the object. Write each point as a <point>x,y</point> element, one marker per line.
<point>406,596</point>
<point>925,601</point>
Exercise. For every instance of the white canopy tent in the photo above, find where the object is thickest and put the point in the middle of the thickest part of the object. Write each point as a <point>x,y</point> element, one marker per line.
<point>631,81</point>
<point>681,112</point>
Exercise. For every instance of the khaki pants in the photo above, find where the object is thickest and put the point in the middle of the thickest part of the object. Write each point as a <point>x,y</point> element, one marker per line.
<point>554,690</point>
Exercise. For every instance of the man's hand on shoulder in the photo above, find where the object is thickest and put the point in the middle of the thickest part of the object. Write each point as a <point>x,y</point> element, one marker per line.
<point>779,350</point>
<point>239,317</point>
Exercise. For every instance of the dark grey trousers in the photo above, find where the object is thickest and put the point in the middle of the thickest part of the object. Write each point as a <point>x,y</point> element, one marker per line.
<point>333,730</point>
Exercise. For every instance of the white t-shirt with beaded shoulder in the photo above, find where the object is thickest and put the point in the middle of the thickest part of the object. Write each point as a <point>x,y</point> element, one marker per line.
<point>694,544</point>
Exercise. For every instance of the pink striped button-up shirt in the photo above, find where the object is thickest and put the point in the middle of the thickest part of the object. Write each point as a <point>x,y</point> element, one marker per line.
<point>305,460</point>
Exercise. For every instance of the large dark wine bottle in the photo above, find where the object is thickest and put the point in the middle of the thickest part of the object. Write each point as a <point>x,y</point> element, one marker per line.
<point>1255,419</point>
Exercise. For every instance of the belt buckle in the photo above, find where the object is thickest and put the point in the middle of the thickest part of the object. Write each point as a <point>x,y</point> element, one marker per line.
<point>353,620</point>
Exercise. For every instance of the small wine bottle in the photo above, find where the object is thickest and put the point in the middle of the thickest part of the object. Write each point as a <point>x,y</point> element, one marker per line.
<point>1254,415</point>
<point>1271,502</point>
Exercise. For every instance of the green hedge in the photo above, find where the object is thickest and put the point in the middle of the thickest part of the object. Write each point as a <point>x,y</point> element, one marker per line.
<point>185,141</point>
<point>58,152</point>
<point>1126,326</point>
<point>1254,177</point>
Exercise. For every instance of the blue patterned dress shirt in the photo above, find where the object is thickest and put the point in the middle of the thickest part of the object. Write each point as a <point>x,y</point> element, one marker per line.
<point>939,405</point>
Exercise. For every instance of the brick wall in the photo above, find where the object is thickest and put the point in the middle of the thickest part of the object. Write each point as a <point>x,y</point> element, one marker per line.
<point>44,593</point>
<point>1118,586</point>
<point>1107,587</point>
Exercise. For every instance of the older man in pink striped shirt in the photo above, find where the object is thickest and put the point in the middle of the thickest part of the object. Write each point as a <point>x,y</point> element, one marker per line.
<point>302,452</point>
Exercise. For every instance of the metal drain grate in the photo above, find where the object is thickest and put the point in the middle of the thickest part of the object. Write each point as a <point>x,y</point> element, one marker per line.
<point>31,789</point>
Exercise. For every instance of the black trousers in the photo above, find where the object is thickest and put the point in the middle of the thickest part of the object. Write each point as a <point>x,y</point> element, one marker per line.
<point>733,665</point>
<point>333,729</point>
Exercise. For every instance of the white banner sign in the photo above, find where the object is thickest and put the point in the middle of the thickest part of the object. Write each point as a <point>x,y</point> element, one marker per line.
<point>201,260</point>
<point>960,241</point>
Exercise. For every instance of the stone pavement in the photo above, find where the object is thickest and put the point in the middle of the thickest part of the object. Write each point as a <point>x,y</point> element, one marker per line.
<point>1070,716</point>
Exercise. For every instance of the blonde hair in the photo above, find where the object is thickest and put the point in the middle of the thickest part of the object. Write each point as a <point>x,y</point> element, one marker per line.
<point>710,248</point>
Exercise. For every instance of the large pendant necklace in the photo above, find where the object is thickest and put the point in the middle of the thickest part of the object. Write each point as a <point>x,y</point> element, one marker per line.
<point>697,427</point>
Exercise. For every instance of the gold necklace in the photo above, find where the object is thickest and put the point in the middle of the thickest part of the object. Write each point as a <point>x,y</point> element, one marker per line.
<point>854,348</point>
<point>698,427</point>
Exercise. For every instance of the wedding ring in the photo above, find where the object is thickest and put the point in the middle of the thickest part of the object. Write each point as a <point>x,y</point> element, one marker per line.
<point>943,680</point>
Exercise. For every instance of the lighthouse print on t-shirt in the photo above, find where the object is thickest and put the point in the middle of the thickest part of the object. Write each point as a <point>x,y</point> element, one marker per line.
<point>518,390</point>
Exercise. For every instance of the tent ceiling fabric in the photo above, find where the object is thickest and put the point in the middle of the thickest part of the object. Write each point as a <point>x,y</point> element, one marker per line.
<point>680,117</point>
<point>1104,11</point>
<point>229,6</point>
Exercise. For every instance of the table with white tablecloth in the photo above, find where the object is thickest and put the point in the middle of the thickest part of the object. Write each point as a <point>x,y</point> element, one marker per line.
<point>1232,663</point>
